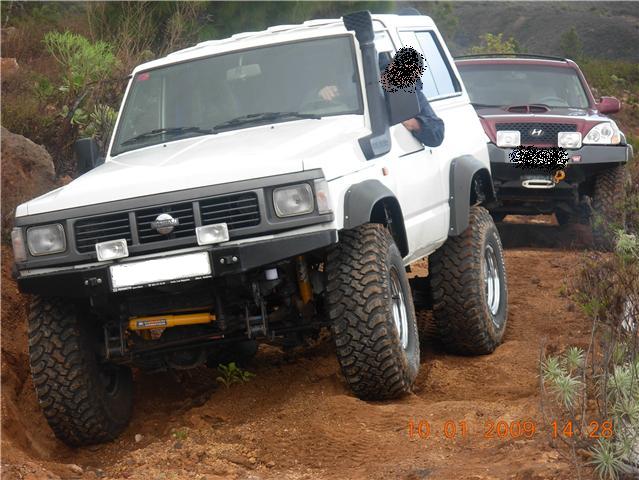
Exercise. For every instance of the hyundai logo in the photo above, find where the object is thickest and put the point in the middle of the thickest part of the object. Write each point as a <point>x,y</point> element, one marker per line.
<point>165,223</point>
<point>536,132</point>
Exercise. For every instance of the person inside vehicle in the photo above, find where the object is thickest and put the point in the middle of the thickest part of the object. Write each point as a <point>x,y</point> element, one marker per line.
<point>404,72</point>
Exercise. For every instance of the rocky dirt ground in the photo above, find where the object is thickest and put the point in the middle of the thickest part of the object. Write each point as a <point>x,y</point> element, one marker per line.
<point>297,420</point>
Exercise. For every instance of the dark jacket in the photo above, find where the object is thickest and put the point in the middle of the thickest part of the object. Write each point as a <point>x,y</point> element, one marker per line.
<point>432,132</point>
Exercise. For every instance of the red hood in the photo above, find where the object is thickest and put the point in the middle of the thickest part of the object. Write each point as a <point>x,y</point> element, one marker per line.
<point>583,119</point>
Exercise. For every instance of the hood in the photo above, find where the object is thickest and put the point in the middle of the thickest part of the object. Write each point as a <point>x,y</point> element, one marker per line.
<point>583,119</point>
<point>254,152</point>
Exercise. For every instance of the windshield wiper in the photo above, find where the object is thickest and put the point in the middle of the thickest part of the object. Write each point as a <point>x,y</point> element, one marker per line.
<point>169,131</point>
<point>265,116</point>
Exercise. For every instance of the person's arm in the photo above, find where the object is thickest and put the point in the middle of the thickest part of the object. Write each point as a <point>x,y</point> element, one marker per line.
<point>431,127</point>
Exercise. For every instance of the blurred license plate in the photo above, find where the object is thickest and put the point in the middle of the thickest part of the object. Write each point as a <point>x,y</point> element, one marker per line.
<point>159,271</point>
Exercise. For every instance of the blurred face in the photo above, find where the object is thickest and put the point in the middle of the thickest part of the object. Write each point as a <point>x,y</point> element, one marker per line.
<point>404,71</point>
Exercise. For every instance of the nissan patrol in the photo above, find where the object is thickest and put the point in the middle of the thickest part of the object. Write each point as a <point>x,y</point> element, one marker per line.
<point>235,206</point>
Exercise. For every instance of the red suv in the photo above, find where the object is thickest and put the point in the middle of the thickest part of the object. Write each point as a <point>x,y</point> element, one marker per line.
<point>534,104</point>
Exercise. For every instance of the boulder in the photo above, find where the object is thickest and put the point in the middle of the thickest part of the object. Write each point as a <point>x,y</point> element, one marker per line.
<point>27,172</point>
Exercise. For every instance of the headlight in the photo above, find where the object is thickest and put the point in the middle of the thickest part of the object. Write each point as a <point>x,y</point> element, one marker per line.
<point>508,138</point>
<point>605,133</point>
<point>293,200</point>
<point>322,196</point>
<point>17,241</point>
<point>46,239</point>
<point>569,139</point>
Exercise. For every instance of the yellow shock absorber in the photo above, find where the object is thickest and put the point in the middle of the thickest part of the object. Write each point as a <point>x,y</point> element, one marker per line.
<point>559,176</point>
<point>168,321</point>
<point>303,280</point>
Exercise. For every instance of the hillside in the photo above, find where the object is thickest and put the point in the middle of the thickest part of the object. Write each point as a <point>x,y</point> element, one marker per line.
<point>607,30</point>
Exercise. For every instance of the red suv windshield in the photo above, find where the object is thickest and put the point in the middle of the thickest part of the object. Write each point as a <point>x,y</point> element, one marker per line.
<point>516,84</point>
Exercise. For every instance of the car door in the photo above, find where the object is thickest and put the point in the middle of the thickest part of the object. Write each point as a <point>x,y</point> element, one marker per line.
<point>418,182</point>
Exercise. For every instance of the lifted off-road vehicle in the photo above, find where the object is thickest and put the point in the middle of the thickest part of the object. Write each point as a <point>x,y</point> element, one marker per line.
<point>237,206</point>
<point>545,102</point>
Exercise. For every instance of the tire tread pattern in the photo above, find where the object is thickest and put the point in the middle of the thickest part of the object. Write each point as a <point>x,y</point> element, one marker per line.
<point>65,375</point>
<point>359,309</point>
<point>459,308</point>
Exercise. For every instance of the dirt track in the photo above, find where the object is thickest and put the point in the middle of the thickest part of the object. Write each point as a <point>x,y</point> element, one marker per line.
<point>296,418</point>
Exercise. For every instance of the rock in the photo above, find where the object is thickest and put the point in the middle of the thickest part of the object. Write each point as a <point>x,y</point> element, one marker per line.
<point>270,464</point>
<point>77,469</point>
<point>138,438</point>
<point>252,460</point>
<point>177,445</point>
<point>9,67</point>
<point>535,280</point>
<point>27,172</point>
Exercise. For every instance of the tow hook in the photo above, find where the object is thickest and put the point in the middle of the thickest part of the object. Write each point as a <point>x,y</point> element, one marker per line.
<point>559,176</point>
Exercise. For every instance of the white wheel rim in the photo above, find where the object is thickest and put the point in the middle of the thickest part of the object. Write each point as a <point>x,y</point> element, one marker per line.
<point>398,306</point>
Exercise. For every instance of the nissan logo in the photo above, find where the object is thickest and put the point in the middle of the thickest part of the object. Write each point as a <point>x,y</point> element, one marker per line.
<point>536,132</point>
<point>165,223</point>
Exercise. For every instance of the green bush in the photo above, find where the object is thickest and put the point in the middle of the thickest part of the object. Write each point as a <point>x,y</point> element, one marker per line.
<point>82,62</point>
<point>495,44</point>
<point>601,383</point>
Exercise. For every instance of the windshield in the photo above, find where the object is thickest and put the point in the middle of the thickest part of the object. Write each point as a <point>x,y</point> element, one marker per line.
<point>509,85</point>
<point>239,89</point>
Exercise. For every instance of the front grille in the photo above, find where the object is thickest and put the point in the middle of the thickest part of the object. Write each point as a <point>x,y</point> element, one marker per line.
<point>239,210</point>
<point>182,212</point>
<point>90,231</point>
<point>549,135</point>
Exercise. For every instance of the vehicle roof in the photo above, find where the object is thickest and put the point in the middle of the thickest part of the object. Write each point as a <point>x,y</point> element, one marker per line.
<point>282,34</point>
<point>487,60</point>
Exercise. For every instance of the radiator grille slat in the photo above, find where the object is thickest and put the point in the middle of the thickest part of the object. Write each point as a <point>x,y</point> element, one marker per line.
<point>90,231</point>
<point>237,211</point>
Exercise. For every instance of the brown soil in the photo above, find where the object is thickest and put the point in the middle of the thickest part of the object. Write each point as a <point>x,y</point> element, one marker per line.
<point>297,420</point>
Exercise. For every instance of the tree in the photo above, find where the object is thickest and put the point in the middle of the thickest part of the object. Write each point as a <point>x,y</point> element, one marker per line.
<point>495,44</point>
<point>570,44</point>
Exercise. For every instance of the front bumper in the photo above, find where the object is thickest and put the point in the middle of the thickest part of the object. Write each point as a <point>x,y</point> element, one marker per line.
<point>226,259</point>
<point>588,154</point>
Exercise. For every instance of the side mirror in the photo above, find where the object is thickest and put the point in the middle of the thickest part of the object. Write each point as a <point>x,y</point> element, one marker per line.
<point>88,154</point>
<point>608,105</point>
<point>401,105</point>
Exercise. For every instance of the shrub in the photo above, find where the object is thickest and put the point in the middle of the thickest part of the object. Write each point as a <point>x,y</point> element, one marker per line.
<point>231,373</point>
<point>601,383</point>
<point>495,44</point>
<point>82,62</point>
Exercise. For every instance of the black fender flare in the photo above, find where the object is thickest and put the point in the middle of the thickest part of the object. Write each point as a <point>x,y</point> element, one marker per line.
<point>463,171</point>
<point>360,202</point>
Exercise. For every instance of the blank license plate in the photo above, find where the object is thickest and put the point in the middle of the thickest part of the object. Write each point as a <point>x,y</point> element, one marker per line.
<point>160,271</point>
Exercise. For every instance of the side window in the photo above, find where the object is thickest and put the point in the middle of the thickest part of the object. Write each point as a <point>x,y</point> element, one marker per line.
<point>428,81</point>
<point>437,63</point>
<point>437,78</point>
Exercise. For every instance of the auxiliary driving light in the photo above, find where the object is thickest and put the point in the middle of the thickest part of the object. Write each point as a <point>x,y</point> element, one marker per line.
<point>216,233</point>
<point>569,139</point>
<point>112,249</point>
<point>508,138</point>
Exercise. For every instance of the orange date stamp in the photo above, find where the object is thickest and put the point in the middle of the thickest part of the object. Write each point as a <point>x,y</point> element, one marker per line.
<point>504,430</point>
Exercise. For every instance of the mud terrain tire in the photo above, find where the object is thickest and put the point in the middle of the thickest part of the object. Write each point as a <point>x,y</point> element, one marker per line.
<point>84,402</point>
<point>608,196</point>
<point>463,291</point>
<point>367,288</point>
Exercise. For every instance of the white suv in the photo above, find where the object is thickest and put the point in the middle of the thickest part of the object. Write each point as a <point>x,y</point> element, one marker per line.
<point>236,206</point>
